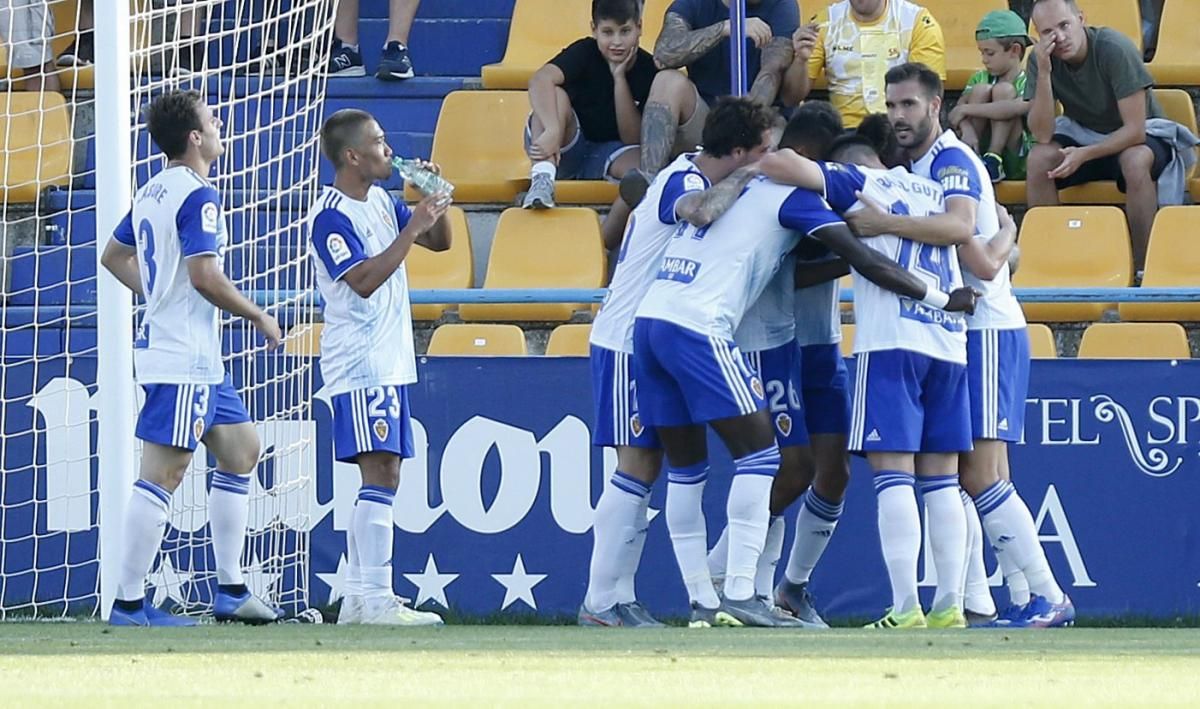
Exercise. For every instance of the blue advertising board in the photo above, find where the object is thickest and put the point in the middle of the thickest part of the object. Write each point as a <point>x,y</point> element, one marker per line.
<point>494,513</point>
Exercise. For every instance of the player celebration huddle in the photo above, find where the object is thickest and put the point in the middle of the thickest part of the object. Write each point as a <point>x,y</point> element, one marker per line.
<point>723,312</point>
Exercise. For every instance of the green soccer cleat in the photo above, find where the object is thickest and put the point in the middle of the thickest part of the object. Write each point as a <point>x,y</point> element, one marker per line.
<point>949,618</point>
<point>900,621</point>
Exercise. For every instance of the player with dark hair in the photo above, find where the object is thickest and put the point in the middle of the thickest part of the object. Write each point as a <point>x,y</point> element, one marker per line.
<point>169,249</point>
<point>360,237</point>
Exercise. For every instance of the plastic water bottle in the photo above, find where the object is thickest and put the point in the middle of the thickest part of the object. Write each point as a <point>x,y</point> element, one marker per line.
<point>426,181</point>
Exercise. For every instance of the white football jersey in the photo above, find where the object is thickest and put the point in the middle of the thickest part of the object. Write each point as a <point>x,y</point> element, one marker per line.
<point>647,234</point>
<point>885,320</point>
<point>366,342</point>
<point>711,275</point>
<point>961,173</point>
<point>771,320</point>
<point>176,215</point>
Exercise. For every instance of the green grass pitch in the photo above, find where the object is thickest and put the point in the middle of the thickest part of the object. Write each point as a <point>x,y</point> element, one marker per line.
<point>89,664</point>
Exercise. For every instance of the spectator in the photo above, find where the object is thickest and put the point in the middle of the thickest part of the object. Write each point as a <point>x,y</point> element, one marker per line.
<point>990,115</point>
<point>1112,126</point>
<point>26,27</point>
<point>854,43</point>
<point>587,103</point>
<point>394,63</point>
<point>695,35</point>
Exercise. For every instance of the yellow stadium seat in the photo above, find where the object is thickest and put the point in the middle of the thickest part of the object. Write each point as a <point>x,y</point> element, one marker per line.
<point>304,341</point>
<point>477,142</point>
<point>452,268</point>
<point>1175,61</point>
<point>1121,15</point>
<point>458,339</point>
<point>539,30</point>
<point>1041,342</point>
<point>1073,247</point>
<point>847,339</point>
<point>1172,261</point>
<point>653,13</point>
<point>1010,192</point>
<point>570,341</point>
<point>585,191</point>
<point>36,153</point>
<point>557,248</point>
<point>1178,106</point>
<point>958,19</point>
<point>1135,341</point>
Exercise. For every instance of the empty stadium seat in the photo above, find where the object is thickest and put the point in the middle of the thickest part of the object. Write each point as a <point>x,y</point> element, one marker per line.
<point>1175,61</point>
<point>456,339</point>
<point>557,248</point>
<point>478,144</point>
<point>36,152</point>
<point>539,30</point>
<point>1172,261</point>
<point>958,19</point>
<point>569,341</point>
<point>847,339</point>
<point>585,191</point>
<point>1121,15</point>
<point>304,340</point>
<point>452,268</point>
<point>1178,106</point>
<point>1041,342</point>
<point>1135,341</point>
<point>1073,247</point>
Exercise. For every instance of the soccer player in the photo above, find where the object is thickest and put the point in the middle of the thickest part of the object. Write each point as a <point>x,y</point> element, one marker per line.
<point>797,393</point>
<point>997,349</point>
<point>169,249</point>
<point>690,372</point>
<point>696,188</point>
<point>361,237</point>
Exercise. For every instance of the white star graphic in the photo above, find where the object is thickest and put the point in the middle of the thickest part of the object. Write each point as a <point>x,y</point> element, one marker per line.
<point>518,586</point>
<point>431,584</point>
<point>168,582</point>
<point>336,580</point>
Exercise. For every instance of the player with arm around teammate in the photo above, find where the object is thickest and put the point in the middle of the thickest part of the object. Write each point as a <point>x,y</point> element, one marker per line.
<point>360,237</point>
<point>997,349</point>
<point>169,249</point>
<point>697,188</point>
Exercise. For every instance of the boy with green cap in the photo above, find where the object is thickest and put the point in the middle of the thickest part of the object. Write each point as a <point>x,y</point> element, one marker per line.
<point>990,115</point>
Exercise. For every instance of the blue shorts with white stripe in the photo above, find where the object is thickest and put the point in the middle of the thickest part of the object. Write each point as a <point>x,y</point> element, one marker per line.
<point>179,415</point>
<point>616,420</point>
<point>370,420</point>
<point>998,380</point>
<point>685,377</point>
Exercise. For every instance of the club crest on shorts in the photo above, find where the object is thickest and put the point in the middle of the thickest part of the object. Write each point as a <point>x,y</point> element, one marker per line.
<point>756,387</point>
<point>783,422</point>
<point>381,429</point>
<point>198,428</point>
<point>635,425</point>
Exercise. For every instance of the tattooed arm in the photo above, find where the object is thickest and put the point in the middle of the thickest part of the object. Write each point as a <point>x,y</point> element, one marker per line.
<point>776,58</point>
<point>678,44</point>
<point>703,208</point>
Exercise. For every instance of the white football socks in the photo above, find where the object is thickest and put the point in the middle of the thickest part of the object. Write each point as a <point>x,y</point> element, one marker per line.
<point>768,561</point>
<point>689,534</point>
<point>615,530</point>
<point>748,512</point>
<point>899,535</point>
<point>948,537</point>
<point>228,511</point>
<point>631,555</point>
<point>978,594</point>
<point>815,522</point>
<point>373,533</point>
<point>1012,533</point>
<point>145,522</point>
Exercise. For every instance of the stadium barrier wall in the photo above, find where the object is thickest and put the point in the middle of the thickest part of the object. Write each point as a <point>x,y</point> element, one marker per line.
<point>494,514</point>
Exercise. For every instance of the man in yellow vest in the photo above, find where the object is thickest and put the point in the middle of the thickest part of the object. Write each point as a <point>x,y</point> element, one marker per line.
<point>853,43</point>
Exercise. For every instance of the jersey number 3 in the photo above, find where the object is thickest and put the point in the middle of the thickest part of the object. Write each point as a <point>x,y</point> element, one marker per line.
<point>146,237</point>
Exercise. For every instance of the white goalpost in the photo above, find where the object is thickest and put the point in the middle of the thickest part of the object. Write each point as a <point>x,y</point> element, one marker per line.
<point>67,393</point>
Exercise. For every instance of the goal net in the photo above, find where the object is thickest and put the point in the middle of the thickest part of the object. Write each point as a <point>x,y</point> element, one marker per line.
<point>261,65</point>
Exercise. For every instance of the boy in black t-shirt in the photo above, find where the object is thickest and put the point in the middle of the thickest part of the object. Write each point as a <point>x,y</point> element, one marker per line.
<point>587,104</point>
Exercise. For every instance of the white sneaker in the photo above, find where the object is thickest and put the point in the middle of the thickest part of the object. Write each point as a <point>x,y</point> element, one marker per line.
<point>351,611</point>
<point>393,610</point>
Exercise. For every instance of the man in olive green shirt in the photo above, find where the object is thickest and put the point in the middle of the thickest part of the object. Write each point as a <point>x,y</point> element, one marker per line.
<point>1099,77</point>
